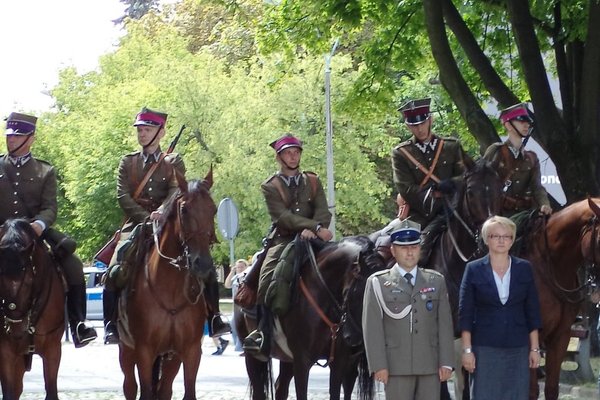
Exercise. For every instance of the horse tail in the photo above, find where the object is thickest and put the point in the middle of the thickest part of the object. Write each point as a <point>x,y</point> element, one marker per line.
<point>366,385</point>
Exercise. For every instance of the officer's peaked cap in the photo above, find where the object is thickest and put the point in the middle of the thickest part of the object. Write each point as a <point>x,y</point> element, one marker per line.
<point>20,124</point>
<point>408,233</point>
<point>150,118</point>
<point>520,112</point>
<point>286,141</point>
<point>416,111</point>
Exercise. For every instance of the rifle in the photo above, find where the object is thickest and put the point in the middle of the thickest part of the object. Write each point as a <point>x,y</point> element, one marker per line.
<point>175,140</point>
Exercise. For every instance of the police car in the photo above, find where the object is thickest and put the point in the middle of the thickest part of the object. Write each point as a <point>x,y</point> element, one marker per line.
<point>93,283</point>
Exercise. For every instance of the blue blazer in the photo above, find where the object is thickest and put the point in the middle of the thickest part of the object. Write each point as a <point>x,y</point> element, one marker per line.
<point>490,322</point>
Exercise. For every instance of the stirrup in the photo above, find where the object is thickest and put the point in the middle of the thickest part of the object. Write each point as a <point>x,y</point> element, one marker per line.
<point>83,334</point>
<point>254,342</point>
<point>218,327</point>
<point>111,334</point>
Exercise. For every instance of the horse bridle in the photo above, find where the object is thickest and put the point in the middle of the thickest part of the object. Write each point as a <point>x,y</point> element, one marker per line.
<point>341,309</point>
<point>590,269</point>
<point>183,260</point>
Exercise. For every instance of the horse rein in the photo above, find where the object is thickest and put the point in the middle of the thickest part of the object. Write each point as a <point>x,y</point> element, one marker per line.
<point>592,225</point>
<point>340,309</point>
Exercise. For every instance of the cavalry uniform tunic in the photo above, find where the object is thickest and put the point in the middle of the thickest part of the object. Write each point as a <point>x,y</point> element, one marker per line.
<point>408,330</point>
<point>160,186</point>
<point>292,210</point>
<point>408,177</point>
<point>35,183</point>
<point>523,188</point>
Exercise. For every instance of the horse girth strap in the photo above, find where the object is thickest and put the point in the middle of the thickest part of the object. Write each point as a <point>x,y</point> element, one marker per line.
<point>333,327</point>
<point>428,172</point>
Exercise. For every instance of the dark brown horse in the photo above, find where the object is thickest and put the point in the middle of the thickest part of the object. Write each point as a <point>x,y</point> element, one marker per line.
<point>478,197</point>
<point>558,249</point>
<point>32,304</point>
<point>163,311</point>
<point>324,323</point>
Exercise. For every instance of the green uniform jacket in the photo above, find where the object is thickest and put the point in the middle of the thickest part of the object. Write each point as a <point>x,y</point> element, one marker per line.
<point>35,183</point>
<point>524,176</point>
<point>421,341</point>
<point>407,177</point>
<point>304,211</point>
<point>161,185</point>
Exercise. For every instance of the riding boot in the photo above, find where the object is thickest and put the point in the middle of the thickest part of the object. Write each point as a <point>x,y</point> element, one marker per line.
<point>216,326</point>
<point>82,332</point>
<point>109,308</point>
<point>259,341</point>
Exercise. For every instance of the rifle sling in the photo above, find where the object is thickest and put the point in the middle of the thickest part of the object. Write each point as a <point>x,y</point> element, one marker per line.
<point>428,172</point>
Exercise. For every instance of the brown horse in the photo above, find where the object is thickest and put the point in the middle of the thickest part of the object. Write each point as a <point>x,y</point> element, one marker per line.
<point>163,311</point>
<point>32,304</point>
<point>324,323</point>
<point>557,250</point>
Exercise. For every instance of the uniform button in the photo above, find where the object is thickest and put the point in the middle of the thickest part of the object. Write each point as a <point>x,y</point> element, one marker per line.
<point>16,212</point>
<point>517,181</point>
<point>297,210</point>
<point>18,173</point>
<point>15,202</point>
<point>149,189</point>
<point>150,180</point>
<point>16,183</point>
<point>15,193</point>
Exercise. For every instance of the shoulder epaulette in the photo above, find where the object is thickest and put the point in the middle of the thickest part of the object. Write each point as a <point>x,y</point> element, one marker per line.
<point>43,162</point>
<point>135,153</point>
<point>405,143</point>
<point>449,139</point>
<point>269,179</point>
<point>310,173</point>
<point>432,272</point>
<point>385,271</point>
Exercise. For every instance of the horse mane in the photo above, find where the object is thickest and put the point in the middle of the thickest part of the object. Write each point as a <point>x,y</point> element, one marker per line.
<point>17,234</point>
<point>194,188</point>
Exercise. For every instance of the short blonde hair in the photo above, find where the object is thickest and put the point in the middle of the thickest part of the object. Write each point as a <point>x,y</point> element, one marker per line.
<point>500,221</point>
<point>242,261</point>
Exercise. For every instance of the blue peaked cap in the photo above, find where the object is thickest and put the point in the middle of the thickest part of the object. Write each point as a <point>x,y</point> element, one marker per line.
<point>408,233</point>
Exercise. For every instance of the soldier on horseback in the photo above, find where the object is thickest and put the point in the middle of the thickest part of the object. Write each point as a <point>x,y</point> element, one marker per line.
<point>297,205</point>
<point>141,197</point>
<point>425,169</point>
<point>28,187</point>
<point>517,167</point>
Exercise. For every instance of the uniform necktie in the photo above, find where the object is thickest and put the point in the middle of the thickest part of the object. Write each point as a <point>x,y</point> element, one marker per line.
<point>408,278</point>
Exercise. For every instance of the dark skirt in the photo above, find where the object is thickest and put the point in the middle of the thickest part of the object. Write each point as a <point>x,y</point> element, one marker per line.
<point>500,373</point>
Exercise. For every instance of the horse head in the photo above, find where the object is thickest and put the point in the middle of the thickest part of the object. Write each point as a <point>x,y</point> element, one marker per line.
<point>195,222</point>
<point>17,272</point>
<point>590,242</point>
<point>480,194</point>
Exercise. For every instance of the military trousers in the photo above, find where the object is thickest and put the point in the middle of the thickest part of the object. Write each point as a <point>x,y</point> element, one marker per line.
<point>413,387</point>
<point>268,268</point>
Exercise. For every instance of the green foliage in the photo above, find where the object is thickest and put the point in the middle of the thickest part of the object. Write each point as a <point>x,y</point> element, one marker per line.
<point>232,111</point>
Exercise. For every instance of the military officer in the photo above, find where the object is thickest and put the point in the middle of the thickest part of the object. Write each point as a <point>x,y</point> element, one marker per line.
<point>407,325</point>
<point>519,168</point>
<point>150,126</point>
<point>425,168</point>
<point>297,205</point>
<point>28,187</point>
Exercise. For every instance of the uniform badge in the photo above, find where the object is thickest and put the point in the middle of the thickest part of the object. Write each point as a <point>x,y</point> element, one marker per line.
<point>429,305</point>
<point>423,296</point>
<point>387,283</point>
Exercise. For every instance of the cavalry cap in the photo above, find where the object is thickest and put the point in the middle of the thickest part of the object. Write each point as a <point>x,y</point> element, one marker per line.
<point>409,233</point>
<point>520,112</point>
<point>150,118</point>
<point>20,124</point>
<point>416,111</point>
<point>286,141</point>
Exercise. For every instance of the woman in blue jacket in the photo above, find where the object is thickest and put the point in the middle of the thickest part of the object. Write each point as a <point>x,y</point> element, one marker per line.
<point>499,318</point>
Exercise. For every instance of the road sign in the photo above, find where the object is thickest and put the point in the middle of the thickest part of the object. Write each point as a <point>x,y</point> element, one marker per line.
<point>227,218</point>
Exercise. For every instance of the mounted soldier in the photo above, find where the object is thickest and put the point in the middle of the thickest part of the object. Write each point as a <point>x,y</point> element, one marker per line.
<point>425,169</point>
<point>146,180</point>
<point>28,186</point>
<point>297,205</point>
<point>517,167</point>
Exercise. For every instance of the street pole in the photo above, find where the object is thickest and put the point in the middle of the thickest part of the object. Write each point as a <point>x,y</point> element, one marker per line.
<point>329,137</point>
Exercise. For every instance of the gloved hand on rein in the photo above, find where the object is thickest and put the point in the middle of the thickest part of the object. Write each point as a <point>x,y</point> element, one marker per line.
<point>447,186</point>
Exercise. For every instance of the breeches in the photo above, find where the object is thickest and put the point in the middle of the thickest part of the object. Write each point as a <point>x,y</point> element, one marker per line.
<point>267,270</point>
<point>122,239</point>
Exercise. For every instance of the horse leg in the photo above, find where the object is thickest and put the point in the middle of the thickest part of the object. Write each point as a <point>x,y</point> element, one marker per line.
<point>169,371</point>
<point>555,353</point>
<point>301,370</point>
<point>51,362</point>
<point>11,378</point>
<point>282,385</point>
<point>191,363</point>
<point>126,359</point>
<point>337,376</point>
<point>145,362</point>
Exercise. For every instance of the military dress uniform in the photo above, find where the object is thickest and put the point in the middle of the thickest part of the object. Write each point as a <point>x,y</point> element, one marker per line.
<point>306,210</point>
<point>408,331</point>
<point>408,177</point>
<point>520,171</point>
<point>29,189</point>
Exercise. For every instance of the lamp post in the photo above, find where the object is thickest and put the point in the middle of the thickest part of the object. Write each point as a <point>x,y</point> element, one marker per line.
<point>329,137</point>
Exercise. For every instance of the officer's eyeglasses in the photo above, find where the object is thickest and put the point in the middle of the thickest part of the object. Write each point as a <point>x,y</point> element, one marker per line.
<point>500,237</point>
